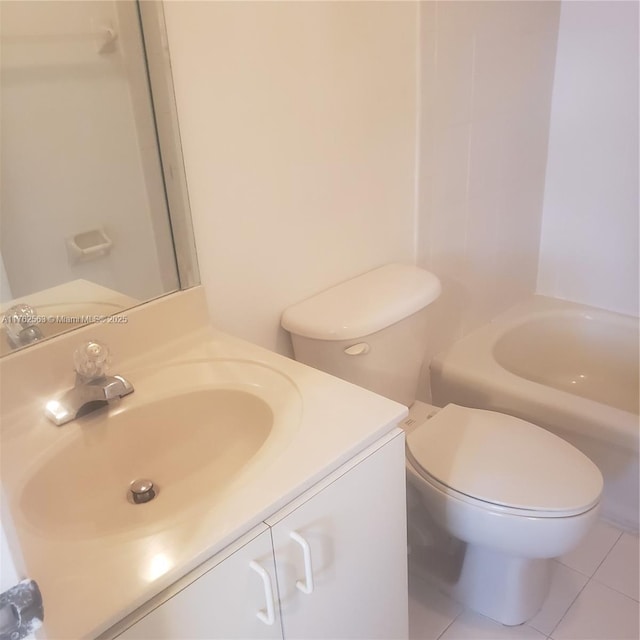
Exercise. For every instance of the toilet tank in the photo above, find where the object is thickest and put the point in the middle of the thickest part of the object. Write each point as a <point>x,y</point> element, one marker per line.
<point>370,330</point>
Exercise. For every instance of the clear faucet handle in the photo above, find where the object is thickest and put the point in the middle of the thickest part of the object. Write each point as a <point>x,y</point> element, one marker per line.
<point>91,360</point>
<point>21,315</point>
<point>19,324</point>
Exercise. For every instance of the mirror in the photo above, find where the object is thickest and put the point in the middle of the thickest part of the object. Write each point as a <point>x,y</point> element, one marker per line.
<point>94,213</point>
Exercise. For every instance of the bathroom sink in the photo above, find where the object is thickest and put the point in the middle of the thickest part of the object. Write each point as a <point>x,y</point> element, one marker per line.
<point>229,432</point>
<point>193,429</point>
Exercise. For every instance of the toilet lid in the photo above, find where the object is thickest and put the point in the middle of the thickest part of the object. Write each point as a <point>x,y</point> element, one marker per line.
<point>505,461</point>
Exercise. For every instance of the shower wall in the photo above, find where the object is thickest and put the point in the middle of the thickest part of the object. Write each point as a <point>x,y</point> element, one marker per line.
<point>589,244</point>
<point>485,92</point>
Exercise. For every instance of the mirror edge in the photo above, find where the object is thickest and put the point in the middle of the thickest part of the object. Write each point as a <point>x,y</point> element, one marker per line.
<point>154,36</point>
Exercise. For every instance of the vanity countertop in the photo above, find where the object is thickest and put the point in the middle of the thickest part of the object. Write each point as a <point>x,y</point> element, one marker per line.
<point>91,581</point>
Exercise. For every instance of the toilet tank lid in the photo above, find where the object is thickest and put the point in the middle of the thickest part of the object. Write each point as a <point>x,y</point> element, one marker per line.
<point>363,305</point>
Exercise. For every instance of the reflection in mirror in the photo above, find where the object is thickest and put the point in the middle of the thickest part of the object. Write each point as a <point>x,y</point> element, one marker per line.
<point>94,214</point>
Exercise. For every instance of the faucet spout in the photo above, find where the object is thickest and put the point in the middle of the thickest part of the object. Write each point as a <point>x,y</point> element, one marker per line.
<point>87,397</point>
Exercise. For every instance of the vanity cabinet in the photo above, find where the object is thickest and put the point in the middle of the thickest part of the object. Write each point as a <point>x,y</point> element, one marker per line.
<point>355,528</point>
<point>223,602</point>
<point>338,553</point>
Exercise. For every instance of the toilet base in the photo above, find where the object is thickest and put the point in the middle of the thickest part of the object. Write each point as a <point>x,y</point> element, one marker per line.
<point>505,588</point>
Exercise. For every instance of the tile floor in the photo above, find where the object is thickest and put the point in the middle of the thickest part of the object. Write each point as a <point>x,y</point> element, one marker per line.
<point>594,596</point>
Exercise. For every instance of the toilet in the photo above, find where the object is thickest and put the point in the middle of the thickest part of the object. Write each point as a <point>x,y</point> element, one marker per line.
<point>492,496</point>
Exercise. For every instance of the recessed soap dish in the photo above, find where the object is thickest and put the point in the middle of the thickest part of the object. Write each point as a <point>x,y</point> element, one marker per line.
<point>88,245</point>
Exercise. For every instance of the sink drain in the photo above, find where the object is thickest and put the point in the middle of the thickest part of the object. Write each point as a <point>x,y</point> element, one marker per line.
<point>142,490</point>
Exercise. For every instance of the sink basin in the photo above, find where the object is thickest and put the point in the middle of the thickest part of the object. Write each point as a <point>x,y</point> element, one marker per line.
<point>194,429</point>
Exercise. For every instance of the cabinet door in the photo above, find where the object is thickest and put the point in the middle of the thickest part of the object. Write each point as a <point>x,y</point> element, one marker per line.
<point>223,603</point>
<point>353,534</point>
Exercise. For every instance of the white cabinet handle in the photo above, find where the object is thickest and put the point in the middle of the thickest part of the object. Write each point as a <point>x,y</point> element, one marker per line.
<point>307,585</point>
<point>268,617</point>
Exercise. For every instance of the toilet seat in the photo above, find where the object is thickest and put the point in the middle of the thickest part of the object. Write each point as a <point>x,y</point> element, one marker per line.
<point>503,463</point>
<point>491,507</point>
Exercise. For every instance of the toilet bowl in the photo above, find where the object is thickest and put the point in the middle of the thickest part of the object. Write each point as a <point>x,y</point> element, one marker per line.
<point>511,494</point>
<point>515,494</point>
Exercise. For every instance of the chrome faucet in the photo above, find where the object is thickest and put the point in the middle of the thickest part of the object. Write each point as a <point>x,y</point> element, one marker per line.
<point>20,326</point>
<point>93,389</point>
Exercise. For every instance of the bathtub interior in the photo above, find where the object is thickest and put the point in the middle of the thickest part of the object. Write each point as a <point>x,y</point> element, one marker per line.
<point>581,353</point>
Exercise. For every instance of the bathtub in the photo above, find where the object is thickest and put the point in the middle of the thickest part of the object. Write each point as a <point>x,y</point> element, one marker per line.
<point>569,368</point>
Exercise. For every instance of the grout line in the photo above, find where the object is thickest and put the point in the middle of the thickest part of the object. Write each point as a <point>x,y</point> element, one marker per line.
<point>454,619</point>
<point>622,593</point>
<point>590,578</point>
<point>606,554</point>
<point>564,615</point>
<point>542,633</point>
<point>590,575</point>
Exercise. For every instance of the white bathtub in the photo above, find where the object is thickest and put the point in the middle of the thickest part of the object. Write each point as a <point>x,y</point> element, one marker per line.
<point>567,367</point>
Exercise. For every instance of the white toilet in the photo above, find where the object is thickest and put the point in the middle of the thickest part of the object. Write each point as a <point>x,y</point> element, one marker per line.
<point>509,494</point>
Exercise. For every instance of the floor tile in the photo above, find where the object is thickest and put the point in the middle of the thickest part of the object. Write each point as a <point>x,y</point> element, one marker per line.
<point>566,584</point>
<point>599,613</point>
<point>430,611</point>
<point>593,596</point>
<point>473,626</point>
<point>620,568</point>
<point>586,558</point>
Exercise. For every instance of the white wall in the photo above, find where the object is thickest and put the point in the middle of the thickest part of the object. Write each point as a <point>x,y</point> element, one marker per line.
<point>298,124</point>
<point>486,80</point>
<point>589,247</point>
